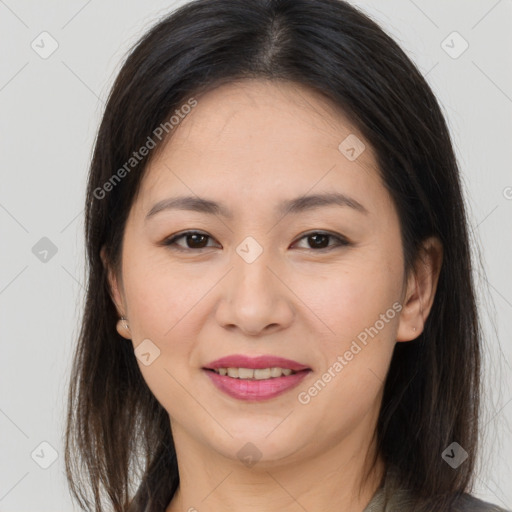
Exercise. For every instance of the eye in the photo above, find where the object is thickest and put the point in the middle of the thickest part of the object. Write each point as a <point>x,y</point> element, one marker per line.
<point>320,240</point>
<point>194,240</point>
<point>197,240</point>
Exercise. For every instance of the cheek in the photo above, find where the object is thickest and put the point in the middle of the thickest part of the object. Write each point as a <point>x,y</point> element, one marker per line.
<point>162,296</point>
<point>353,359</point>
<point>163,305</point>
<point>360,305</point>
<point>350,299</point>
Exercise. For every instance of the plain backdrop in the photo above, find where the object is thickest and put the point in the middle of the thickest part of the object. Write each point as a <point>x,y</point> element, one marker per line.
<point>50,110</point>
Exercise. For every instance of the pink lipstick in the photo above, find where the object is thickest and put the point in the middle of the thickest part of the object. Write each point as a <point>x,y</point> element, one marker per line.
<point>255,378</point>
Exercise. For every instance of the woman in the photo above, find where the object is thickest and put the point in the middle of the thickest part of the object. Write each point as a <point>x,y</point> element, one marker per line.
<point>280,283</point>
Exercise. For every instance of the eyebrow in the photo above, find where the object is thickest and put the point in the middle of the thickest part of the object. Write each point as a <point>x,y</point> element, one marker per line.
<point>296,205</point>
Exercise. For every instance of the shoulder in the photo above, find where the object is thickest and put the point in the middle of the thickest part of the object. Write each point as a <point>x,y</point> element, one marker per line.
<point>405,501</point>
<point>469,503</point>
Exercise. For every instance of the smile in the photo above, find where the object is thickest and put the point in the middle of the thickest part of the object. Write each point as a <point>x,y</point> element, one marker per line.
<point>255,378</point>
<point>254,373</point>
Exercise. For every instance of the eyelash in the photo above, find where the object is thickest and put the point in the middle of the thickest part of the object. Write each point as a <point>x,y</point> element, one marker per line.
<point>171,241</point>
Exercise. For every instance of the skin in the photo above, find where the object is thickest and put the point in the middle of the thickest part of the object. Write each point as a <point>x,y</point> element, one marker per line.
<point>250,145</point>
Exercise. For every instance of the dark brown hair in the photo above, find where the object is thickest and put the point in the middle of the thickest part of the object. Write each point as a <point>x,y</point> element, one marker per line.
<point>118,438</point>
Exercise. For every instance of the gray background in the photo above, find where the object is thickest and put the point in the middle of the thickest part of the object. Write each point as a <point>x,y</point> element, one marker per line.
<point>50,110</point>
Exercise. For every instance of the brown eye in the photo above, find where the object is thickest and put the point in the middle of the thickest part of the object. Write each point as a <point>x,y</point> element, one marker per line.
<point>194,240</point>
<point>320,241</point>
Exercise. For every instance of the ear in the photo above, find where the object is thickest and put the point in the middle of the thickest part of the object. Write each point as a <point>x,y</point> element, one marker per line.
<point>421,290</point>
<point>115,294</point>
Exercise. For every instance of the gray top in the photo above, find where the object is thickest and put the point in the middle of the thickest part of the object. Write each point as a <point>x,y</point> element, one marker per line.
<point>402,501</point>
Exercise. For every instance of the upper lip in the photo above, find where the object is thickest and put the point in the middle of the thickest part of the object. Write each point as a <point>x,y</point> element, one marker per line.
<point>266,361</point>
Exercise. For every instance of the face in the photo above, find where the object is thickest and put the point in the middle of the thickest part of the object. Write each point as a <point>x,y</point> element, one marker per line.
<point>268,273</point>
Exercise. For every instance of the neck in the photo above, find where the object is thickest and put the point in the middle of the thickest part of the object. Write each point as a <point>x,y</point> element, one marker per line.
<point>330,481</point>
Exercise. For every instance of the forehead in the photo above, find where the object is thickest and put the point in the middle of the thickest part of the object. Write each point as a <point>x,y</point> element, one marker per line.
<point>257,111</point>
<point>262,138</point>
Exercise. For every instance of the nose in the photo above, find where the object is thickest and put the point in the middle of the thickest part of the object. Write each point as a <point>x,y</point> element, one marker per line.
<point>255,298</point>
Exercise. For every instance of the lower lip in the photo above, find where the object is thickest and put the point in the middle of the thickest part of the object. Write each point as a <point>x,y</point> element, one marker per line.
<point>256,390</point>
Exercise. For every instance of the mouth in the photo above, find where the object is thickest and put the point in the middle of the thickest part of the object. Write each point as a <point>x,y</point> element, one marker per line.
<point>255,379</point>
<point>254,373</point>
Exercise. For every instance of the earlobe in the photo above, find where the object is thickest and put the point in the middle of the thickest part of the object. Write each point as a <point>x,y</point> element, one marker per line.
<point>123,328</point>
<point>421,290</point>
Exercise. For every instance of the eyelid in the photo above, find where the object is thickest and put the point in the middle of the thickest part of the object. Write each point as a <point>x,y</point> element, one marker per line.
<point>170,241</point>
<point>342,241</point>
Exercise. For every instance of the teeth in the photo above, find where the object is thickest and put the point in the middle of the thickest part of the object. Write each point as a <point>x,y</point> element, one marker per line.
<point>275,372</point>
<point>233,372</point>
<point>243,373</point>
<point>254,374</point>
<point>263,373</point>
